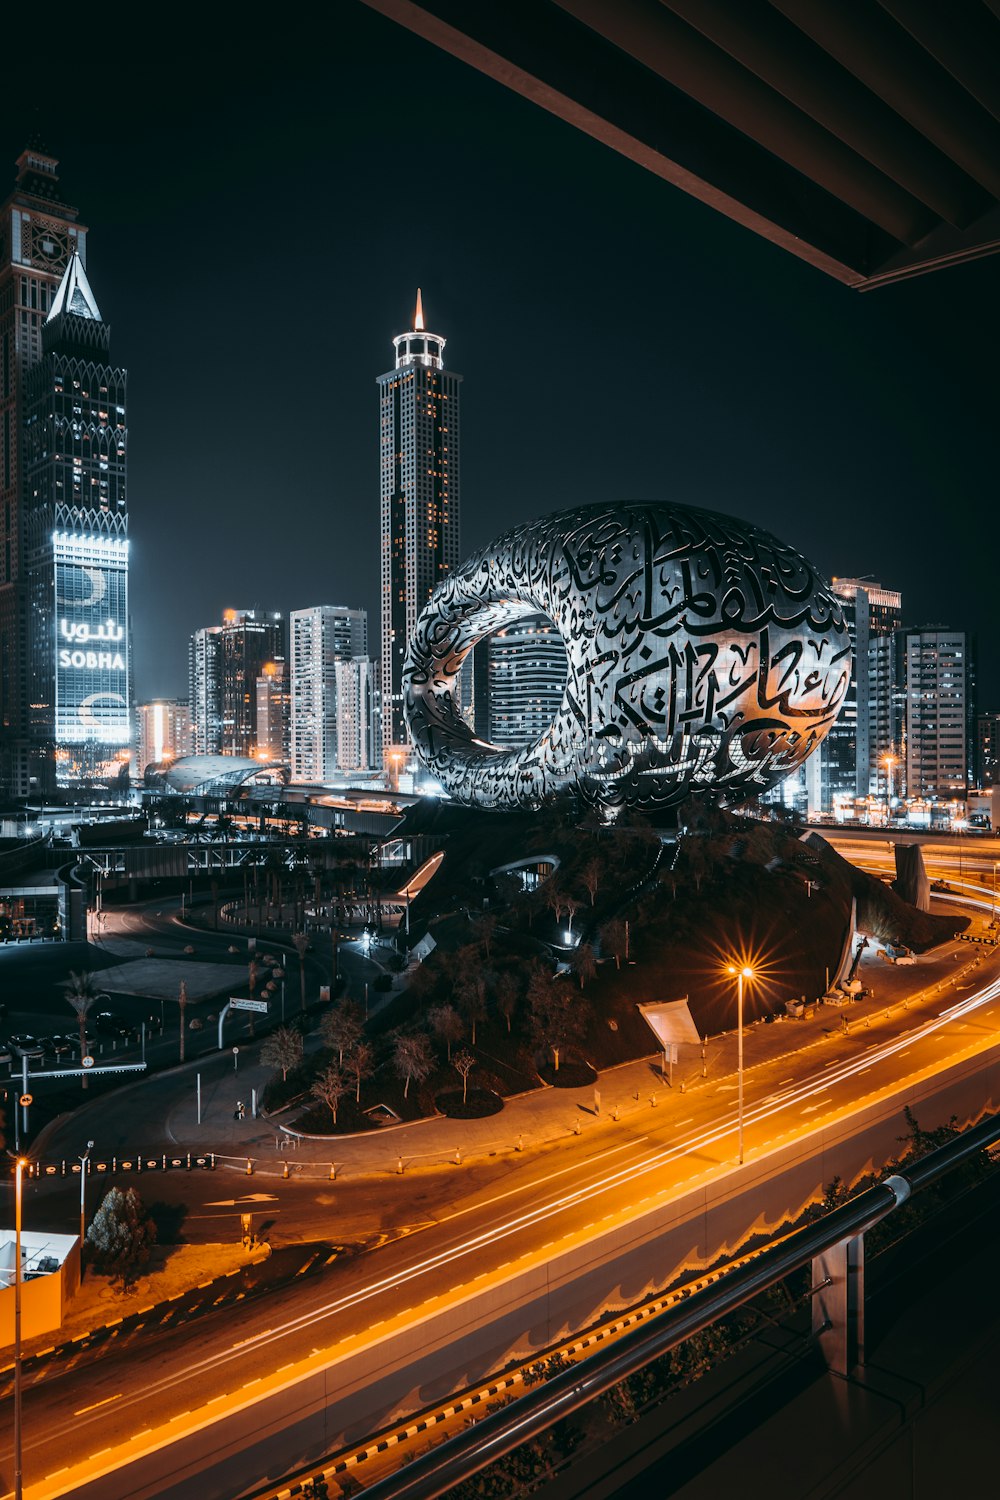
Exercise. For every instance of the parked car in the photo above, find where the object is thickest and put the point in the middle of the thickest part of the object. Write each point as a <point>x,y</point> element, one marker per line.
<point>114,1026</point>
<point>27,1046</point>
<point>62,1048</point>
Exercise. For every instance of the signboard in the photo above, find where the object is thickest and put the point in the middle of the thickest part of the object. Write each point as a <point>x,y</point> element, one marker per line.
<point>87,1062</point>
<point>671,1022</point>
<point>255,1005</point>
<point>25,1100</point>
<point>91,645</point>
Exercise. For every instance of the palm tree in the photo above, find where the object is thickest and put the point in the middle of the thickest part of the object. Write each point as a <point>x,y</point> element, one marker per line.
<point>81,992</point>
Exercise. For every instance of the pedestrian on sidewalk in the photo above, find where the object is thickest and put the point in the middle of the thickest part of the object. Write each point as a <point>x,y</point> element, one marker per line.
<point>240,1110</point>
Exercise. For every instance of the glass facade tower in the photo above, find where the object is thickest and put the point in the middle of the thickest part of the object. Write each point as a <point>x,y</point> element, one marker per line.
<point>75,547</point>
<point>419,466</point>
<point>39,233</point>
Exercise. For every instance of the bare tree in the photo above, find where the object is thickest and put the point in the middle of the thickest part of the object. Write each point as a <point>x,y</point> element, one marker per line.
<point>463,1063</point>
<point>591,875</point>
<point>300,942</point>
<point>411,1058</point>
<point>470,992</point>
<point>282,1049</point>
<point>486,930</point>
<point>555,898</point>
<point>81,992</point>
<point>571,906</point>
<point>330,1087</point>
<point>614,940</point>
<point>508,993</point>
<point>583,963</point>
<point>557,1017</point>
<point>341,1028</point>
<point>360,1064</point>
<point>446,1024</point>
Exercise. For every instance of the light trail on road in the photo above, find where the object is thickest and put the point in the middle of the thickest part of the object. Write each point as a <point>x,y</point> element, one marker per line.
<point>451,1267</point>
<point>628,1174</point>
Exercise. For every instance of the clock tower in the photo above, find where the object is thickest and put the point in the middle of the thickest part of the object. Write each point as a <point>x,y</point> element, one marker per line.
<point>39,235</point>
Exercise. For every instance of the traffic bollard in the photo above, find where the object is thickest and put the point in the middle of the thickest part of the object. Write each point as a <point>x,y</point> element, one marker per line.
<point>399,1166</point>
<point>249,1167</point>
<point>333,1171</point>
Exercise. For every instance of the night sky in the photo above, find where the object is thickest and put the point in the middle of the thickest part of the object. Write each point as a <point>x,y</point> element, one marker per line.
<point>261,211</point>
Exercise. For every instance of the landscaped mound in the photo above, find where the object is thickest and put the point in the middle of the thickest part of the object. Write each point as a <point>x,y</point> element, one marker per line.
<point>522,977</point>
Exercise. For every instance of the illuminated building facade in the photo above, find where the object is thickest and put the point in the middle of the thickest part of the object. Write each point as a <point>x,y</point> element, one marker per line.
<point>686,692</point>
<point>39,237</point>
<point>419,433</point>
<point>520,677</point>
<point>987,752</point>
<point>274,714</point>
<point>163,732</point>
<point>939,689</point>
<point>75,546</point>
<point>358,725</point>
<point>850,763</point>
<point>224,663</point>
<point>321,639</point>
<point>203,691</point>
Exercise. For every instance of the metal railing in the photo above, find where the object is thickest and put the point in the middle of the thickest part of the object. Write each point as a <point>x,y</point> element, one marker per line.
<point>439,1471</point>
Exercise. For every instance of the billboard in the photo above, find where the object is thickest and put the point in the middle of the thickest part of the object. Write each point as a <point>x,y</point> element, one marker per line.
<point>92,694</point>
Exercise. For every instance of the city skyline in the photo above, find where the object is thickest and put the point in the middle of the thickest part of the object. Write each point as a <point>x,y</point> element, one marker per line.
<point>655,349</point>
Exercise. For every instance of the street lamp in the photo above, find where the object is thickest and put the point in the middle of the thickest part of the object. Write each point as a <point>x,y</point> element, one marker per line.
<point>890,761</point>
<point>83,1199</point>
<point>745,973</point>
<point>19,1167</point>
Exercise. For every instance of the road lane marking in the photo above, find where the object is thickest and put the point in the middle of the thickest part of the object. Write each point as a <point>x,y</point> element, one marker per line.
<point>106,1402</point>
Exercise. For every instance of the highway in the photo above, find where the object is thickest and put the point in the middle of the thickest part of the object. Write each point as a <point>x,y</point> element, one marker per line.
<point>439,1234</point>
<point>88,1405</point>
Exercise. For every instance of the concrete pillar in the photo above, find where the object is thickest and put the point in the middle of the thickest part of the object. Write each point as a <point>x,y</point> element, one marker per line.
<point>838,1311</point>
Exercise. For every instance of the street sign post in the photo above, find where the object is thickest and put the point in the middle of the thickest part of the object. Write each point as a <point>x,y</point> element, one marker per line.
<point>25,1100</point>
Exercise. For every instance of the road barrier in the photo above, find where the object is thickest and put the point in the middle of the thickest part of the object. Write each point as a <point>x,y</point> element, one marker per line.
<point>113,1165</point>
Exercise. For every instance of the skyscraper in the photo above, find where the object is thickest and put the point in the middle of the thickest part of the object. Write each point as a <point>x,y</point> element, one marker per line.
<point>224,663</point>
<point>938,694</point>
<point>64,649</point>
<point>519,692</point>
<point>163,732</point>
<point>203,691</point>
<point>847,763</point>
<point>419,460</point>
<point>75,546</point>
<point>274,713</point>
<point>321,639</point>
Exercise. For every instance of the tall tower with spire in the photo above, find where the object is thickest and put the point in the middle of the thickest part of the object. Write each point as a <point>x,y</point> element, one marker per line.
<point>75,547</point>
<point>419,436</point>
<point>39,233</point>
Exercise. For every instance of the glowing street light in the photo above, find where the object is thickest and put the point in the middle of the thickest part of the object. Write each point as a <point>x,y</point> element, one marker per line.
<point>84,1159</point>
<point>740,974</point>
<point>890,761</point>
<point>19,1167</point>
